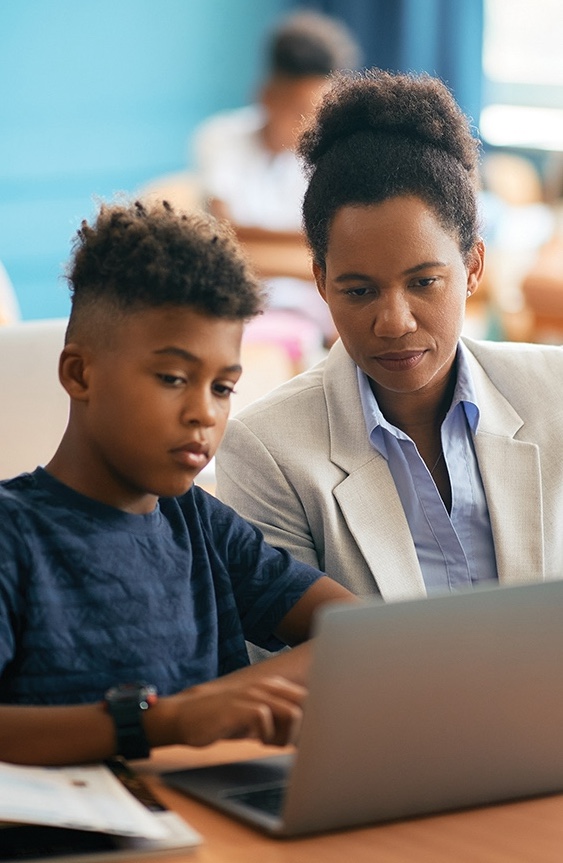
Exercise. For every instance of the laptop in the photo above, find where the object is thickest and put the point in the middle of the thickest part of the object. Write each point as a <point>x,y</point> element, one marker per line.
<point>414,708</point>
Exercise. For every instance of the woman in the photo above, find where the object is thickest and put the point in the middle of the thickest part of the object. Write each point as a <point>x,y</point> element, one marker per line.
<point>411,460</point>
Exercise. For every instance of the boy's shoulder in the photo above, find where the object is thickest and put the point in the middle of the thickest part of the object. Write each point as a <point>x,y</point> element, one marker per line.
<point>37,489</point>
<point>18,489</point>
<point>28,489</point>
<point>23,516</point>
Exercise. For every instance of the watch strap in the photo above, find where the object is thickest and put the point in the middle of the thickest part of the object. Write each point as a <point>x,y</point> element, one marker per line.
<point>127,705</point>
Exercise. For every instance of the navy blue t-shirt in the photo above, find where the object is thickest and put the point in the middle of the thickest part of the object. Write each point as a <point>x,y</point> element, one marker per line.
<point>91,596</point>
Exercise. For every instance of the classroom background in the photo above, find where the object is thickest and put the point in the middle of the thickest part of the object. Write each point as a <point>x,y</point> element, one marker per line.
<point>102,98</point>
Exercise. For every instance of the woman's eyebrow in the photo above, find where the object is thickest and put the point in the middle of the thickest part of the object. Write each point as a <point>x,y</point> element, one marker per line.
<point>347,277</point>
<point>424,266</point>
<point>355,276</point>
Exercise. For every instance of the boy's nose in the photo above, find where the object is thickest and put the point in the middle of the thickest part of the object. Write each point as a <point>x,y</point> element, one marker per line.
<point>200,409</point>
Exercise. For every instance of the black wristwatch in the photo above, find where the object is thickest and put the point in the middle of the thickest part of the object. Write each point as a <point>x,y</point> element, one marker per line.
<point>126,703</point>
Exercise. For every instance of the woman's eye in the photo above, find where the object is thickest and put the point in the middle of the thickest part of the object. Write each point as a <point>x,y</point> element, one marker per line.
<point>424,283</point>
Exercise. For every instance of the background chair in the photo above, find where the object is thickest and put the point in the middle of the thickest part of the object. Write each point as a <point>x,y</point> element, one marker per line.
<point>34,406</point>
<point>9,306</point>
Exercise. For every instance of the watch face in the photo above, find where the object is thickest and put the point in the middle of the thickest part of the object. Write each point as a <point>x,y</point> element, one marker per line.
<point>144,694</point>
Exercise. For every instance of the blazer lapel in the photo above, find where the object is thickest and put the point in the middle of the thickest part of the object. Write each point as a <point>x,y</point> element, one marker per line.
<point>510,470</point>
<point>367,497</point>
<point>375,517</point>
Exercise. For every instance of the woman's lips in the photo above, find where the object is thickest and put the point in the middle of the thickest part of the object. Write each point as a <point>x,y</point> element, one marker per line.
<point>400,361</point>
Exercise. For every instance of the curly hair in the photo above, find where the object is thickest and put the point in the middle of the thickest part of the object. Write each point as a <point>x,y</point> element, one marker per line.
<point>138,256</point>
<point>377,135</point>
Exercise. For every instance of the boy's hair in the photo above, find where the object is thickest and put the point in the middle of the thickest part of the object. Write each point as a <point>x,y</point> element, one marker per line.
<point>377,135</point>
<point>311,44</point>
<point>139,256</point>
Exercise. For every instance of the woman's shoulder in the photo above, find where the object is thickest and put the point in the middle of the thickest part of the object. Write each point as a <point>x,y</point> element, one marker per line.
<point>528,376</point>
<point>289,397</point>
<point>516,355</point>
<point>306,393</point>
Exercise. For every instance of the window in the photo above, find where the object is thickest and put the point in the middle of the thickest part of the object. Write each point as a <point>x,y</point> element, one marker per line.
<point>523,68</point>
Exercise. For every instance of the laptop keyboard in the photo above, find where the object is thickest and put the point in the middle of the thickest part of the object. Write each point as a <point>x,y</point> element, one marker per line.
<point>267,799</point>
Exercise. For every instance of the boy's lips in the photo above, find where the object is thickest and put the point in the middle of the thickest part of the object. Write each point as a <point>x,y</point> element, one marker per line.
<point>194,455</point>
<point>399,361</point>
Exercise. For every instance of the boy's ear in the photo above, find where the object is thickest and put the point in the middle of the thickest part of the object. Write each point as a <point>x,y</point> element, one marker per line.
<point>74,371</point>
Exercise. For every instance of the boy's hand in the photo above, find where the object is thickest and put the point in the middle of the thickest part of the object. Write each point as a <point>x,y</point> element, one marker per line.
<point>267,709</point>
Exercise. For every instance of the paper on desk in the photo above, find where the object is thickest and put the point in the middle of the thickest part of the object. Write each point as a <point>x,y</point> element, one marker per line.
<point>85,798</point>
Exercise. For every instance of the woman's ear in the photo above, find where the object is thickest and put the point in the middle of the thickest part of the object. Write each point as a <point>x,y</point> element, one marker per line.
<point>475,267</point>
<point>74,366</point>
<point>320,279</point>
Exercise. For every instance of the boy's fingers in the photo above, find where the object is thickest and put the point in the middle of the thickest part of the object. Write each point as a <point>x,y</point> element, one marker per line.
<point>283,688</point>
<point>269,710</point>
<point>275,719</point>
<point>265,722</point>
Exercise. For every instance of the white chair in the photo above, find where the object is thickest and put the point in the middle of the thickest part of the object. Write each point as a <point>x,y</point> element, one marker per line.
<point>9,306</point>
<point>33,404</point>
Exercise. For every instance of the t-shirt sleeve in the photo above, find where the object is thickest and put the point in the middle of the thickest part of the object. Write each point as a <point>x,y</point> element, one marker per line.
<point>12,550</point>
<point>266,582</point>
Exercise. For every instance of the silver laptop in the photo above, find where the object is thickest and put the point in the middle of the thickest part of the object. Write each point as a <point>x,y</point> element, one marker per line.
<point>414,707</point>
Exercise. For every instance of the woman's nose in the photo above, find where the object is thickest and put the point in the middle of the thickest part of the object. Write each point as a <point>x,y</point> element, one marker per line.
<point>394,317</point>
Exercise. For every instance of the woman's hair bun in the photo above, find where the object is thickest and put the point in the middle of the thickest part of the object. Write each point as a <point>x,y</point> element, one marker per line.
<point>418,107</point>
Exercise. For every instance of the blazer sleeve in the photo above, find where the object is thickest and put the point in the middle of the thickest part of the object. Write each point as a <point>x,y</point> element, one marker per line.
<point>254,484</point>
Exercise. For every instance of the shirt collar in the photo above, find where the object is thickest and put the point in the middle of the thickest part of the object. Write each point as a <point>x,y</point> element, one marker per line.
<point>464,395</point>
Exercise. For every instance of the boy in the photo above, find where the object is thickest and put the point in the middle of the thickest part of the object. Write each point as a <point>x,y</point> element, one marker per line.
<point>117,576</point>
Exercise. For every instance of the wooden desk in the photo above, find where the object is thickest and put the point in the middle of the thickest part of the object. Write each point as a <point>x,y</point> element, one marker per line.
<point>524,832</point>
<point>277,253</point>
<point>280,258</point>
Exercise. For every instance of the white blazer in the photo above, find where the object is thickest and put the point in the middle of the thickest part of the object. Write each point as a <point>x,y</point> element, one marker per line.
<point>299,465</point>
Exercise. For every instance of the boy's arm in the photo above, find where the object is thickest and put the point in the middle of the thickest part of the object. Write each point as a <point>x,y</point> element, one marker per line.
<point>297,624</point>
<point>257,704</point>
<point>262,701</point>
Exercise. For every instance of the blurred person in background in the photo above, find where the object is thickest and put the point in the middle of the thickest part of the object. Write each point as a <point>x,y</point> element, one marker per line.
<point>246,164</point>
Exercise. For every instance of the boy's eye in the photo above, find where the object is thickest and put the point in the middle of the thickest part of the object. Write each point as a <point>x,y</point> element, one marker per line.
<point>224,390</point>
<point>357,292</point>
<point>172,380</point>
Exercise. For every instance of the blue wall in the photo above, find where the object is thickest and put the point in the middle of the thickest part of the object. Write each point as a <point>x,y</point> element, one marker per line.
<point>99,97</point>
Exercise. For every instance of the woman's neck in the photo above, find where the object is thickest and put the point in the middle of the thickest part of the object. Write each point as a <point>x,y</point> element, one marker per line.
<point>418,414</point>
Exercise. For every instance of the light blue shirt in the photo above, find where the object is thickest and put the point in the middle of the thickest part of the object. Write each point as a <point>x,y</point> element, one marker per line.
<point>455,550</point>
